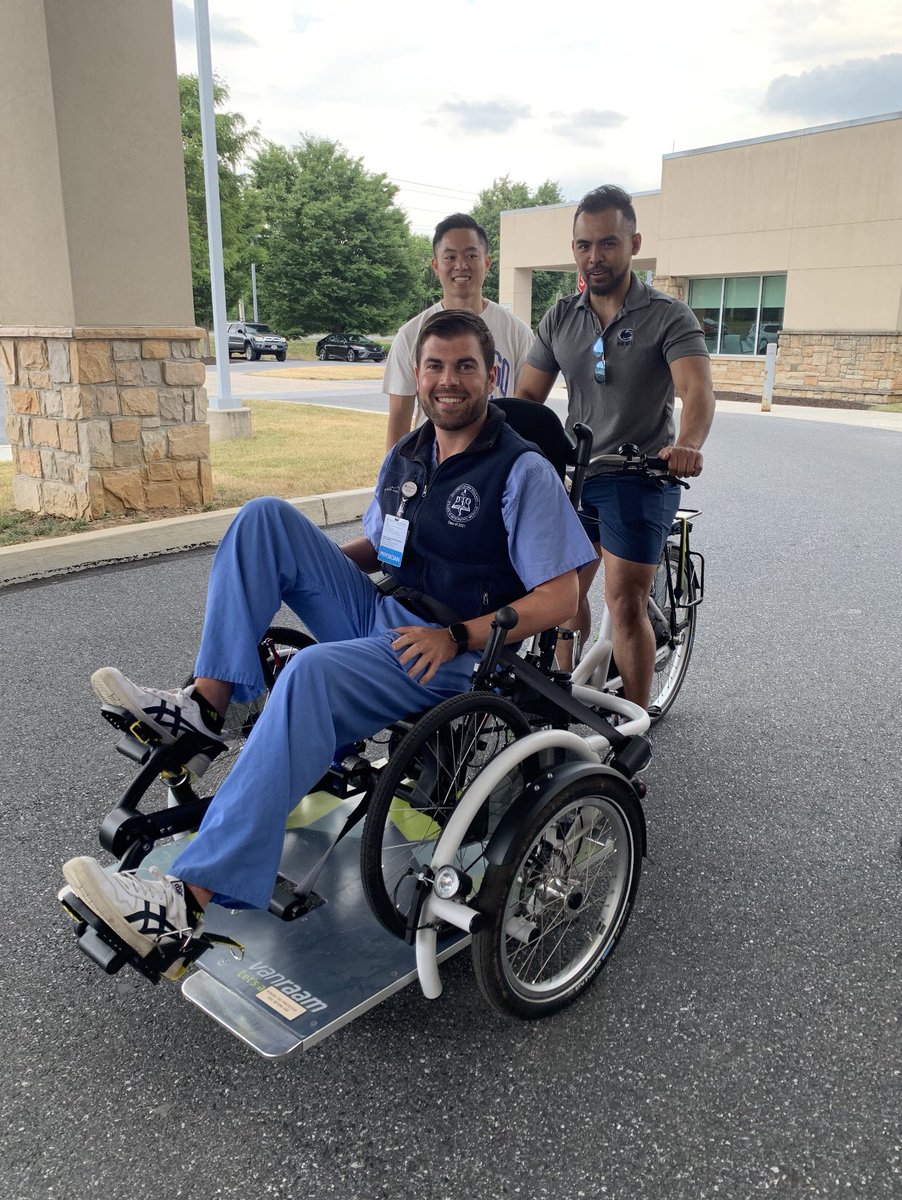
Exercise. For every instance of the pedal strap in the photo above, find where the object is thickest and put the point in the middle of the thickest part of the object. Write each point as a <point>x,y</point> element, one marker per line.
<point>303,889</point>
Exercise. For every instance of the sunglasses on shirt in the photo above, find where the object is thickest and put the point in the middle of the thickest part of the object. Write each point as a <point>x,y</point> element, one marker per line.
<point>598,351</point>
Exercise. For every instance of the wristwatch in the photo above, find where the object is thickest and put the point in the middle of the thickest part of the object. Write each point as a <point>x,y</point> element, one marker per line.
<point>459,636</point>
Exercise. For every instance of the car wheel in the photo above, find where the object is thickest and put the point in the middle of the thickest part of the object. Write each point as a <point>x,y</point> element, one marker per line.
<point>281,355</point>
<point>322,354</point>
<point>250,353</point>
<point>352,357</point>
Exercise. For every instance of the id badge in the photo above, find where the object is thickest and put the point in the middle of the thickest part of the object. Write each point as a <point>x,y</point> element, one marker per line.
<point>394,537</point>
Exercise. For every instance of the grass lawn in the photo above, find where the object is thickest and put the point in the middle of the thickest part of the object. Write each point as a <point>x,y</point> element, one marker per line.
<point>296,450</point>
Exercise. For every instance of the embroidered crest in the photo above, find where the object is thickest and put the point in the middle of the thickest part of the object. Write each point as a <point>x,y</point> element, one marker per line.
<point>463,504</point>
<point>625,337</point>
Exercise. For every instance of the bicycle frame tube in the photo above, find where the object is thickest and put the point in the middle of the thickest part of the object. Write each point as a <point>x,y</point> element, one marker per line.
<point>594,664</point>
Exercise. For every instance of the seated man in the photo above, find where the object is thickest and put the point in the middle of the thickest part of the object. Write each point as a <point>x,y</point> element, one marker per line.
<point>464,512</point>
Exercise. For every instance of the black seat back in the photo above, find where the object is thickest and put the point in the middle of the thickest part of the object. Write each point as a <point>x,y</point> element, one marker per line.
<point>541,425</point>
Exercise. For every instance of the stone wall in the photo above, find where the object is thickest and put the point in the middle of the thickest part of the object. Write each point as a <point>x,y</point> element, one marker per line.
<point>106,421</point>
<point>860,367</point>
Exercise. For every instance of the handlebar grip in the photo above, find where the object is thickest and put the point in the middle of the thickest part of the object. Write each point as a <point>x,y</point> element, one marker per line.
<point>657,464</point>
<point>505,618</point>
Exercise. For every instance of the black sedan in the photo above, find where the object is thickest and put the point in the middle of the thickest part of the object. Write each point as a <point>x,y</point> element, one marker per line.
<point>352,347</point>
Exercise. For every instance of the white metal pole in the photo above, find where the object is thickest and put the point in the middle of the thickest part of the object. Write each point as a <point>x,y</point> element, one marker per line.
<point>254,289</point>
<point>211,186</point>
<point>770,370</point>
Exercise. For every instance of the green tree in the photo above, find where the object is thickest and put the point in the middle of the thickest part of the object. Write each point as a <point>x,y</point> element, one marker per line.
<point>241,210</point>
<point>429,291</point>
<point>339,253</point>
<point>506,193</point>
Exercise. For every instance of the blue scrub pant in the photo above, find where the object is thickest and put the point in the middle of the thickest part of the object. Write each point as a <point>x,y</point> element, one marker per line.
<point>349,686</point>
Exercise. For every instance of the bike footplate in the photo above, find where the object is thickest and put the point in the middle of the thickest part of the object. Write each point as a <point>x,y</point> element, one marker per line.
<point>300,981</point>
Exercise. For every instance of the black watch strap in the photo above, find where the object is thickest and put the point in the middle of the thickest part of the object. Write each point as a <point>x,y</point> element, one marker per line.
<point>459,636</point>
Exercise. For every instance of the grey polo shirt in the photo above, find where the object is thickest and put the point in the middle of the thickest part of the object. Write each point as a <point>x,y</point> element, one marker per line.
<point>635,403</point>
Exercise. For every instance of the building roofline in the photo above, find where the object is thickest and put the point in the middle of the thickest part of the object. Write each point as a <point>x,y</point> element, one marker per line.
<point>791,133</point>
<point>771,137</point>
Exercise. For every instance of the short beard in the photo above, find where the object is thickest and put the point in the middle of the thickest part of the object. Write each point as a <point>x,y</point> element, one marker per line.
<point>605,289</point>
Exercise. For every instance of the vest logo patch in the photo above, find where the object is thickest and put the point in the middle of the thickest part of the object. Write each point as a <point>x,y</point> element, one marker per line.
<point>625,337</point>
<point>463,505</point>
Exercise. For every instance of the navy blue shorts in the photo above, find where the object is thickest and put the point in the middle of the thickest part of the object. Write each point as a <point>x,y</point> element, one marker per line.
<point>630,517</point>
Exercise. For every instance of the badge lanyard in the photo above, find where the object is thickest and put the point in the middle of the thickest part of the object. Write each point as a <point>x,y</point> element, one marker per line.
<point>396,528</point>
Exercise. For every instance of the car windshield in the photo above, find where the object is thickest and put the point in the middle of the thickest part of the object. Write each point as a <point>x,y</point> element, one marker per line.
<point>260,328</point>
<point>357,340</point>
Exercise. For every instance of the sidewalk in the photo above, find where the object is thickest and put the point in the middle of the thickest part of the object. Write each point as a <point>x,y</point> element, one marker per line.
<point>56,556</point>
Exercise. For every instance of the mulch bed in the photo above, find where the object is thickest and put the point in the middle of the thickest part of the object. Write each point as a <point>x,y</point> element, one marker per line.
<point>797,401</point>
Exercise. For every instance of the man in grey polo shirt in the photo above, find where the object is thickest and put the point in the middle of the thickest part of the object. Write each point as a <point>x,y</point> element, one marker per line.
<point>624,349</point>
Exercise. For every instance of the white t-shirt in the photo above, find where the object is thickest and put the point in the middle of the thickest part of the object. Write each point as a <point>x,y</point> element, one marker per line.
<point>513,340</point>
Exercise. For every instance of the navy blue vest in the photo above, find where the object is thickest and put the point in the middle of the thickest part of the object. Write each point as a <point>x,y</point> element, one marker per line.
<point>456,547</point>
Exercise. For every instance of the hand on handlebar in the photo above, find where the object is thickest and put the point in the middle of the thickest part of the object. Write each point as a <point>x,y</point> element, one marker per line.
<point>682,460</point>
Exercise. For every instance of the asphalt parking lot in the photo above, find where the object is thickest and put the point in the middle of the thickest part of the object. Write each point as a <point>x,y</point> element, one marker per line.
<point>743,1041</point>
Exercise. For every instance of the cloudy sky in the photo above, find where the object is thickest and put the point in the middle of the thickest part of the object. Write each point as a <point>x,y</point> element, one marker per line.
<point>445,97</point>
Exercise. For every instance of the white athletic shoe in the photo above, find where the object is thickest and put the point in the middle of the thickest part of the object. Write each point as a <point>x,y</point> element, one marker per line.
<point>145,913</point>
<point>170,714</point>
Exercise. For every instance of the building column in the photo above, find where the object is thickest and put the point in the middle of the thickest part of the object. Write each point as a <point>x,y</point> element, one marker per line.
<point>106,408</point>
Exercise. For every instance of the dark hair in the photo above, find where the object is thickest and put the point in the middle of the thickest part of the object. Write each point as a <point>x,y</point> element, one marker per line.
<point>609,195</point>
<point>459,221</point>
<point>456,322</point>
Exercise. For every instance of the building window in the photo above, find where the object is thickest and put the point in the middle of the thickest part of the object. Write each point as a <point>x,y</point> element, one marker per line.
<point>739,314</point>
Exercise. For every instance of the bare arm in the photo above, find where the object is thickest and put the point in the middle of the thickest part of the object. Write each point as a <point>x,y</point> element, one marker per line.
<point>534,384</point>
<point>400,415</point>
<point>551,603</point>
<point>692,381</point>
<point>360,551</point>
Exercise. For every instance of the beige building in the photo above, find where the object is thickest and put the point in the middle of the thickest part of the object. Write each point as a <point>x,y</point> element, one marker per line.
<point>796,236</point>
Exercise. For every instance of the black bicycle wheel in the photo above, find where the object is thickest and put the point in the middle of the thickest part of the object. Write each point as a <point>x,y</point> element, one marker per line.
<point>276,649</point>
<point>673,651</point>
<point>418,789</point>
<point>557,906</point>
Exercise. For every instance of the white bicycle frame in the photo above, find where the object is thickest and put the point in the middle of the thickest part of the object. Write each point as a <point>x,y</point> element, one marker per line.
<point>595,663</point>
<point>594,747</point>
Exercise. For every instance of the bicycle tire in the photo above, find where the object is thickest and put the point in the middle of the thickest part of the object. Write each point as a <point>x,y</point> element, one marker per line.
<point>557,906</point>
<point>672,665</point>
<point>418,789</point>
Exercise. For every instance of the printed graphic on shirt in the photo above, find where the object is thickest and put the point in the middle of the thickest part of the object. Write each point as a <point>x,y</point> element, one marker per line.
<point>463,505</point>
<point>503,377</point>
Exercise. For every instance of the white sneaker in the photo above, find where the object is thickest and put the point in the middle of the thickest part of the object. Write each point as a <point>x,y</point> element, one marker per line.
<point>170,714</point>
<point>145,913</point>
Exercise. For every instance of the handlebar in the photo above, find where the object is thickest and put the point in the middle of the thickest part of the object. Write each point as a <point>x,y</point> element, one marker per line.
<point>628,461</point>
<point>506,619</point>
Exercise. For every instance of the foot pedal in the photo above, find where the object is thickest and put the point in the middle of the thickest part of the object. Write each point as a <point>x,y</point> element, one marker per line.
<point>138,740</point>
<point>109,952</point>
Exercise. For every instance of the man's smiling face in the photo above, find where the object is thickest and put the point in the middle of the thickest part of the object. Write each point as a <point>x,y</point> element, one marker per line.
<point>460,263</point>
<point>453,382</point>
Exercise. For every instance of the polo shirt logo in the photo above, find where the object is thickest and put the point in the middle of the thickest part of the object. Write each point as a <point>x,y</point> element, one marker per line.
<point>463,504</point>
<point>625,337</point>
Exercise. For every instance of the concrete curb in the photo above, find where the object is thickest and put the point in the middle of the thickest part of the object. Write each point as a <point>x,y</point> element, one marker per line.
<point>79,551</point>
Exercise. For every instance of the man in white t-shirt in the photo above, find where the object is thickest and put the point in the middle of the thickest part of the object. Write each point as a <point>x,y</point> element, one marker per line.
<point>460,260</point>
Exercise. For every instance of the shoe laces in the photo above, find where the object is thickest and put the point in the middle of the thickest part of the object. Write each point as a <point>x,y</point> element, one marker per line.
<point>173,695</point>
<point>140,887</point>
